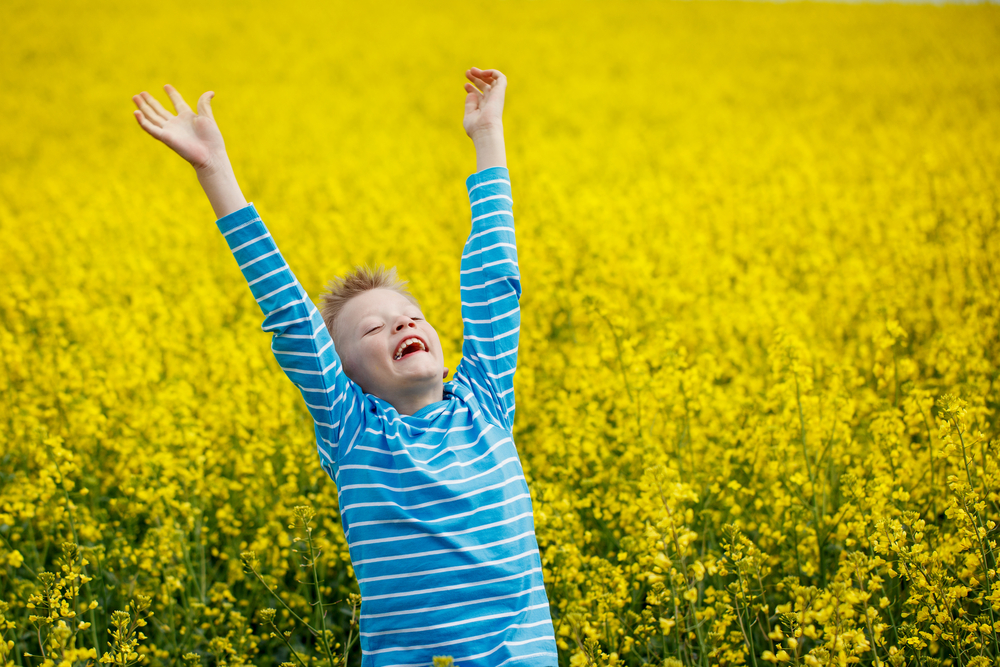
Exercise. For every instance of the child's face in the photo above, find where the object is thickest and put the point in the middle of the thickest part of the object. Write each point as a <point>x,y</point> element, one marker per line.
<point>387,346</point>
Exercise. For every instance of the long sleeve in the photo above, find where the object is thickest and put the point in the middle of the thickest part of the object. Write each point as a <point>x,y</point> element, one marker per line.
<point>491,291</point>
<point>301,342</point>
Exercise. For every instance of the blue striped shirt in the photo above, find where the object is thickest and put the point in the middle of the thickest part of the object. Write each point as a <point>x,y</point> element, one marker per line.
<point>434,505</point>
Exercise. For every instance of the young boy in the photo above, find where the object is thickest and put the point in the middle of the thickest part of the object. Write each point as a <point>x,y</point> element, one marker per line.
<point>432,496</point>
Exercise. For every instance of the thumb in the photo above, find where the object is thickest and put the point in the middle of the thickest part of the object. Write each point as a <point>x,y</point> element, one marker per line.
<point>204,104</point>
<point>471,102</point>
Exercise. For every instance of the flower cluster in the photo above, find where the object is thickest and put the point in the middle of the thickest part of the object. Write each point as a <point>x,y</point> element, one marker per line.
<point>758,366</point>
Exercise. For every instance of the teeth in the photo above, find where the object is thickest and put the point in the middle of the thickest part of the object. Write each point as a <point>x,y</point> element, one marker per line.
<point>406,343</point>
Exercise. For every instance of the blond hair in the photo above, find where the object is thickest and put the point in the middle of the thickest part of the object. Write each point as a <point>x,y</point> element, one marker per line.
<point>362,279</point>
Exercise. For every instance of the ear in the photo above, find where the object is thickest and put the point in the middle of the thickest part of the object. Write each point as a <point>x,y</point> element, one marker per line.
<point>445,373</point>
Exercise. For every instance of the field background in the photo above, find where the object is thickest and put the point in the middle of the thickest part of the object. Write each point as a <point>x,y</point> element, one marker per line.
<point>757,397</point>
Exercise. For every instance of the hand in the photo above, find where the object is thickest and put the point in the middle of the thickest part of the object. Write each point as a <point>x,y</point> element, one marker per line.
<point>484,103</point>
<point>196,138</point>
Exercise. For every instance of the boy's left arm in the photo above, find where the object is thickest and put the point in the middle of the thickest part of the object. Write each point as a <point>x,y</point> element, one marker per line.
<point>490,279</point>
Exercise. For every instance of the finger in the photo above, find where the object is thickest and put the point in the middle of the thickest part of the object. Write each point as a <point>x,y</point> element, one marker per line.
<point>153,130</point>
<point>204,104</point>
<point>469,88</point>
<point>494,76</point>
<point>480,84</point>
<point>153,109</point>
<point>490,76</point>
<point>176,98</point>
<point>148,112</point>
<point>157,108</point>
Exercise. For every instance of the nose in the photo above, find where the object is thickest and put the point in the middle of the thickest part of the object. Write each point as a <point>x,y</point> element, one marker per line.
<point>405,322</point>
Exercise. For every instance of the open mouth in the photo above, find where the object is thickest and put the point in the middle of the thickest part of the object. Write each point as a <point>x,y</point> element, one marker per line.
<point>409,346</point>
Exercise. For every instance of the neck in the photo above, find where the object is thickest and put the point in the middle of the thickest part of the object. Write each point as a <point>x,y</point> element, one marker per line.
<point>413,402</point>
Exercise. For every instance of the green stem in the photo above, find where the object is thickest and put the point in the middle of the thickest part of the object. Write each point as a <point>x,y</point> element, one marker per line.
<point>319,597</point>
<point>812,479</point>
<point>278,598</point>
<point>285,639</point>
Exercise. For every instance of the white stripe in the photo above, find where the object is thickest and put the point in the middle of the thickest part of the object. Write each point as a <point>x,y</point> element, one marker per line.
<point>324,454</point>
<point>473,304</point>
<point>491,215</point>
<point>454,605</point>
<point>453,448</point>
<point>280,289</point>
<point>303,336</point>
<point>491,198</point>
<point>497,376</point>
<point>492,319</point>
<point>469,379</point>
<point>362,448</point>
<point>329,444</point>
<point>464,584</point>
<point>465,639</point>
<point>403,538</point>
<point>499,356</point>
<point>286,306</point>
<point>324,389</point>
<point>284,324</point>
<point>421,445</point>
<point>252,241</point>
<point>427,470</point>
<point>491,247</point>
<point>460,515</point>
<point>495,180</point>
<point>267,275</point>
<point>304,354</point>
<point>457,568</point>
<point>354,439</point>
<point>236,229</point>
<point>452,624</point>
<point>447,482</point>
<point>431,503</point>
<point>255,260</point>
<point>304,371</point>
<point>543,638</point>
<point>491,230</point>
<point>488,282</point>
<point>435,413</point>
<point>530,655</point>
<point>494,338</point>
<point>490,265</point>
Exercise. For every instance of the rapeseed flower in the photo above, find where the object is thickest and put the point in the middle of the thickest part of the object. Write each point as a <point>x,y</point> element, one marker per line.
<point>759,344</point>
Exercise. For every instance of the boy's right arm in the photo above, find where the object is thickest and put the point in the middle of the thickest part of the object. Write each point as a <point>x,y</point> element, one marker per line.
<point>301,343</point>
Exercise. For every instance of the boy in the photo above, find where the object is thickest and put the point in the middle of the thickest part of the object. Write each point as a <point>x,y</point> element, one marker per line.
<point>432,497</point>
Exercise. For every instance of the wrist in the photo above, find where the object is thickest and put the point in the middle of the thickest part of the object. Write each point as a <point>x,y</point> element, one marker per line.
<point>487,135</point>
<point>218,180</point>
<point>490,150</point>
<point>214,164</point>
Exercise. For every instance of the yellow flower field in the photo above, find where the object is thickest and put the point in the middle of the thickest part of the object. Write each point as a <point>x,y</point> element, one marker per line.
<point>760,343</point>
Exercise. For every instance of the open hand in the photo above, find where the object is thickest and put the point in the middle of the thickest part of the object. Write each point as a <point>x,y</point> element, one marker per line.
<point>484,103</point>
<point>196,138</point>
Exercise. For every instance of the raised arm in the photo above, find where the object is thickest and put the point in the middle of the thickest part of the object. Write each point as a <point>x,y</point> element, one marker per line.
<point>490,280</point>
<point>301,342</point>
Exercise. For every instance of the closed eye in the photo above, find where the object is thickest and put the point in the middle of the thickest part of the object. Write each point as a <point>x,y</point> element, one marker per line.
<point>373,329</point>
